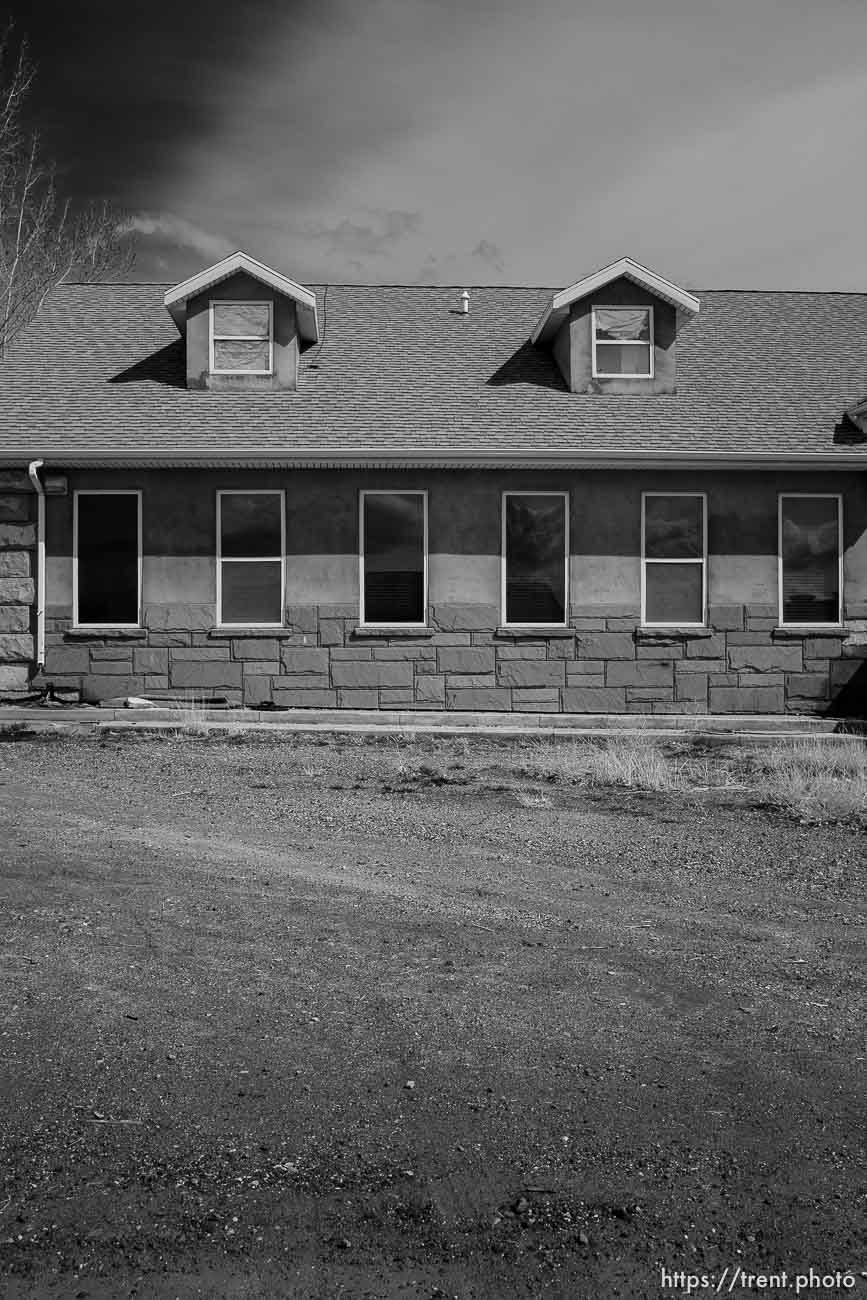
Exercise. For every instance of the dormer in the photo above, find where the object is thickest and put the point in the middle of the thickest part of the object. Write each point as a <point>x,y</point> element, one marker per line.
<point>616,331</point>
<point>243,325</point>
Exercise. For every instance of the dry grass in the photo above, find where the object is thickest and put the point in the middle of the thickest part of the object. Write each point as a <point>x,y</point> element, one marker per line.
<point>636,762</point>
<point>814,781</point>
<point>822,779</point>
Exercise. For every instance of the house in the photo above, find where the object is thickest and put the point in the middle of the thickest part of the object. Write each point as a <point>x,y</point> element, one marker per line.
<point>618,497</point>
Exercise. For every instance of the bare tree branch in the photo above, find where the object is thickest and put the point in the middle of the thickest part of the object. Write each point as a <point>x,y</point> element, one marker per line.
<point>44,242</point>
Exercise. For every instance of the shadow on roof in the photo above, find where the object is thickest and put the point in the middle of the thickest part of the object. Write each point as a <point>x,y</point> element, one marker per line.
<point>849,434</point>
<point>163,367</point>
<point>529,365</point>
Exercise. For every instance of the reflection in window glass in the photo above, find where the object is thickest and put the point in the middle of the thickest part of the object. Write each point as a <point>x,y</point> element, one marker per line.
<point>535,545</point>
<point>241,334</point>
<point>251,558</point>
<point>623,341</point>
<point>393,527</point>
<point>810,558</point>
<point>107,547</point>
<point>674,559</point>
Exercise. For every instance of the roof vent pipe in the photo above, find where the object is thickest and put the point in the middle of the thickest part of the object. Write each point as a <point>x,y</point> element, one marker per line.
<point>465,302</point>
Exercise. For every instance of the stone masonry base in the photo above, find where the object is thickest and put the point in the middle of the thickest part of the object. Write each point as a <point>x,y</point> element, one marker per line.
<point>603,663</point>
<point>17,544</point>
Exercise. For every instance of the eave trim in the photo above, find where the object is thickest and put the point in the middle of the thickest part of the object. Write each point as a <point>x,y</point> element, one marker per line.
<point>175,300</point>
<point>625,267</point>
<point>380,458</point>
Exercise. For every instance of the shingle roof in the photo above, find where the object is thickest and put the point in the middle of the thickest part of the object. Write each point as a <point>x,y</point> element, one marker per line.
<point>400,374</point>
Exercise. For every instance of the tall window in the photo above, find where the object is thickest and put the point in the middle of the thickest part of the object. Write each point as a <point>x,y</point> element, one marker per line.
<point>250,547</point>
<point>623,342</point>
<point>810,559</point>
<point>674,559</point>
<point>241,338</point>
<point>393,546</point>
<point>535,547</point>
<point>107,559</point>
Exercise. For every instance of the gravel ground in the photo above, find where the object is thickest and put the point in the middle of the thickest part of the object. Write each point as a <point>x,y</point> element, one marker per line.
<point>312,1018</point>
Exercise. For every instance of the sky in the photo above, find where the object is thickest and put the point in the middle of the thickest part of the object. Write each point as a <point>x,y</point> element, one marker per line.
<point>468,142</point>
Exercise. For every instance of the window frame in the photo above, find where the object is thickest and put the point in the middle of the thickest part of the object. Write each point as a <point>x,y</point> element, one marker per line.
<point>603,374</point>
<point>105,492</point>
<point>251,559</point>
<point>512,492</point>
<point>702,496</point>
<point>394,492</point>
<point>240,338</point>
<point>823,496</point>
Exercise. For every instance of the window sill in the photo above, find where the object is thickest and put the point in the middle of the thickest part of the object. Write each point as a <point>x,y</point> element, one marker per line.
<point>101,633</point>
<point>649,635</point>
<point>362,633</point>
<point>249,633</point>
<point>819,630</point>
<point>505,632</point>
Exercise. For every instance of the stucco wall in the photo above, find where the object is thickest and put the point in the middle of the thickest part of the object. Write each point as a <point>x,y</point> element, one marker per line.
<point>605,662</point>
<point>242,288</point>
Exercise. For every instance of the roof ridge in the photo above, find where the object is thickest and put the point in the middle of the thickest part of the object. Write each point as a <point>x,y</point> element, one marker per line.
<point>525,288</point>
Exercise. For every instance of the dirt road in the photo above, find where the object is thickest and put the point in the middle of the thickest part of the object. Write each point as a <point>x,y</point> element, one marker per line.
<point>288,1019</point>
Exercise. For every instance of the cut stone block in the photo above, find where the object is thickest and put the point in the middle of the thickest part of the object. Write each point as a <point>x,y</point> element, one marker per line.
<point>466,618</point>
<point>257,690</point>
<point>482,699</point>
<point>14,618</point>
<point>757,699</point>
<point>767,658</point>
<point>606,645</point>
<point>430,689</point>
<point>67,659</point>
<point>726,618</point>
<point>17,535</point>
<point>641,672</point>
<point>469,659</point>
<point>532,672</point>
<point>593,699</point>
<point>14,646</point>
<point>311,660</point>
<point>351,699</point>
<point>330,631</point>
<point>148,660</point>
<point>14,564</point>
<point>17,591</point>
<point>691,686</point>
<point>302,618</point>
<point>204,675</point>
<point>809,685</point>
<point>255,648</point>
<point>287,698</point>
<point>14,677</point>
<point>371,674</point>
<point>823,647</point>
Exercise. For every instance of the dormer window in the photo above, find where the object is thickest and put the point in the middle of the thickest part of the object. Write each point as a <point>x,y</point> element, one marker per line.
<point>242,338</point>
<point>623,342</point>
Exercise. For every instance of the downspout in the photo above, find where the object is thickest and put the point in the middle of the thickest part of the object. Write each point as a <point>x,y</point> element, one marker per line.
<point>33,472</point>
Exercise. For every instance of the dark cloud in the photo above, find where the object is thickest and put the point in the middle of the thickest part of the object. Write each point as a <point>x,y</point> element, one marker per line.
<point>123,88</point>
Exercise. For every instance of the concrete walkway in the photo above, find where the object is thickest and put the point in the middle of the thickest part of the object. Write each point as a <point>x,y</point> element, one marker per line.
<point>71,719</point>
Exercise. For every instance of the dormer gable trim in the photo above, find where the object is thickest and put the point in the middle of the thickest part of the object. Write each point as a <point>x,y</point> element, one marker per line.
<point>857,413</point>
<point>305,300</point>
<point>554,315</point>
